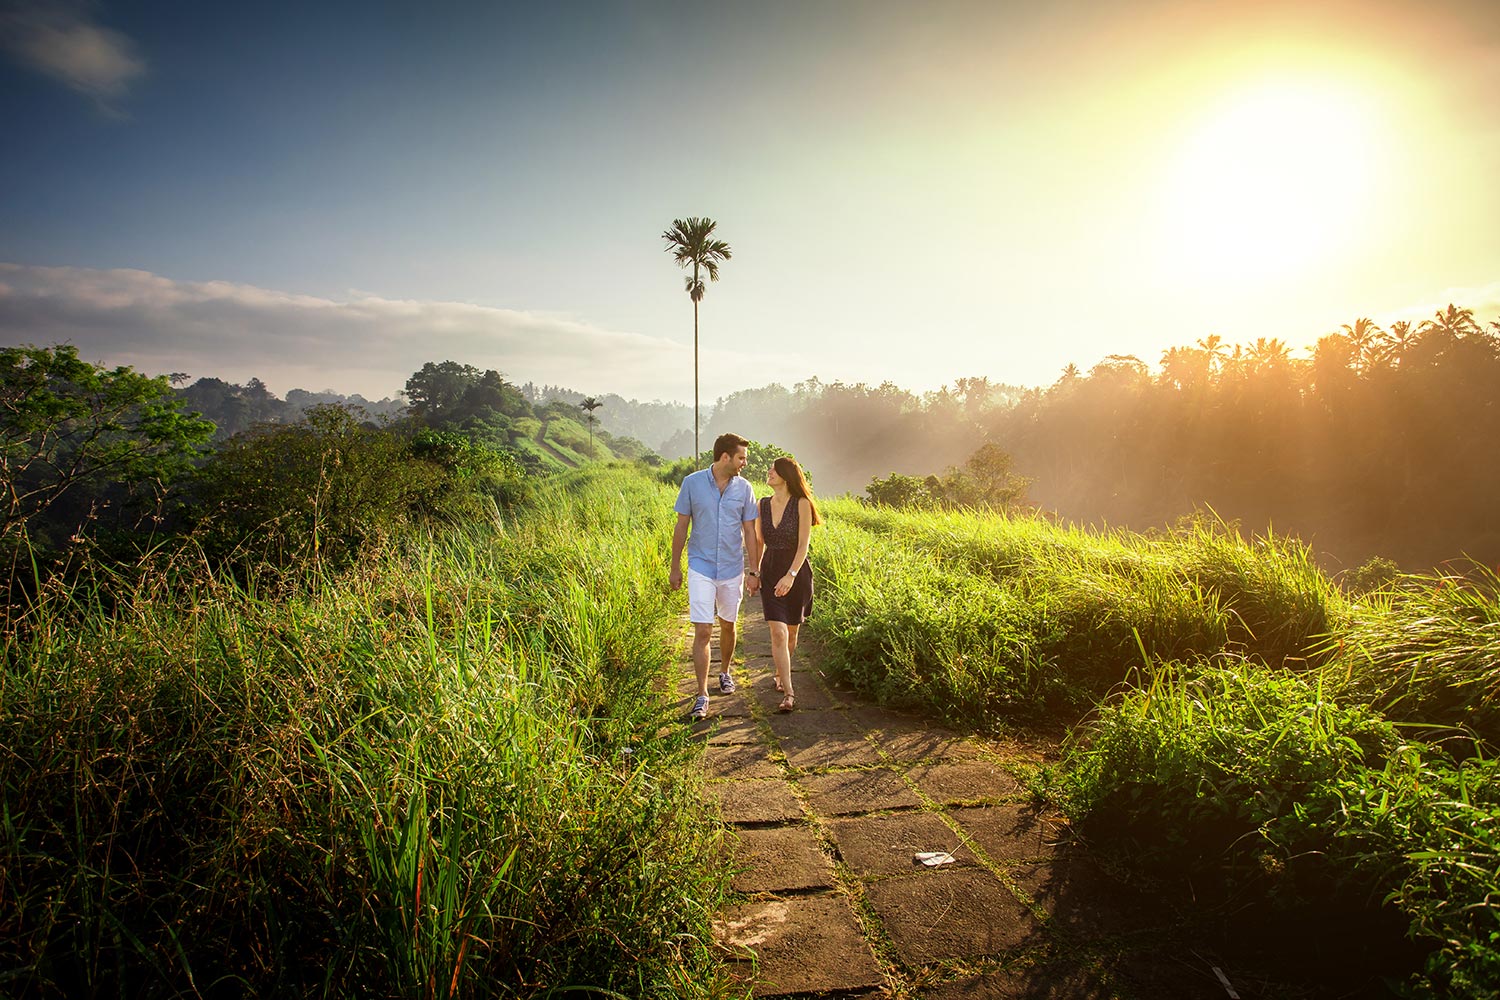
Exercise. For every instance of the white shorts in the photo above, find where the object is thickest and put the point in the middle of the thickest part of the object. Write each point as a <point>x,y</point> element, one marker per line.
<point>705,596</point>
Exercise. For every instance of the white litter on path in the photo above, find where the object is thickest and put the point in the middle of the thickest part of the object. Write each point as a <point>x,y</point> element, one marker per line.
<point>933,858</point>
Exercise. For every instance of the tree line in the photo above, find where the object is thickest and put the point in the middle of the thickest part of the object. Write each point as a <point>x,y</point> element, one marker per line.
<point>101,465</point>
<point>1380,443</point>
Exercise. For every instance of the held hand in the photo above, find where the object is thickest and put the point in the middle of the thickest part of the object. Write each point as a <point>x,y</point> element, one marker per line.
<point>752,585</point>
<point>675,578</point>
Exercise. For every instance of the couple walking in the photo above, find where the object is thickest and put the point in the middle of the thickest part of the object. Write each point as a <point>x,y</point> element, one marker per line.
<point>738,545</point>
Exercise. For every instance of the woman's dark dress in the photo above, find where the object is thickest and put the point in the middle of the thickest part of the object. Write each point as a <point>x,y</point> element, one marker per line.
<point>781,549</point>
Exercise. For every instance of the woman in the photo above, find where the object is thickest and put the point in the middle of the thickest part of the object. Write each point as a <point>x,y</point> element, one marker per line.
<point>786,577</point>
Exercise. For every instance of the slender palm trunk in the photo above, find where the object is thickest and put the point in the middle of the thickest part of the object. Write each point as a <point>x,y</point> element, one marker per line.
<point>696,449</point>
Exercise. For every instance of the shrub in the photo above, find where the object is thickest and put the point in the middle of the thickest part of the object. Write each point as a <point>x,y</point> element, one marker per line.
<point>442,773</point>
<point>325,487</point>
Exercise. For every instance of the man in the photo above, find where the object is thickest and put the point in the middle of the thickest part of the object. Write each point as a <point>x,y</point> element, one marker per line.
<point>721,507</point>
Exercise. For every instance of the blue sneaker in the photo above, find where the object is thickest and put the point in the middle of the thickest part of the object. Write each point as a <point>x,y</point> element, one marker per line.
<point>700,707</point>
<point>726,683</point>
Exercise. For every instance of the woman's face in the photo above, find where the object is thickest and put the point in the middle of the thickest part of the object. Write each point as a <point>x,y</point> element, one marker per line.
<point>773,477</point>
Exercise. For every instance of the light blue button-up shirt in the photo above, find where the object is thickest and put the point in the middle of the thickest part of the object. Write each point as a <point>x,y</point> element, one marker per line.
<point>716,544</point>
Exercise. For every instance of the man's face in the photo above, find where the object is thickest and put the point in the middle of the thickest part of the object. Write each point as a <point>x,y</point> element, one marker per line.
<point>739,458</point>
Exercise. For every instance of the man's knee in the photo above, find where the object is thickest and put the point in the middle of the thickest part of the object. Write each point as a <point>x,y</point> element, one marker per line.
<point>703,631</point>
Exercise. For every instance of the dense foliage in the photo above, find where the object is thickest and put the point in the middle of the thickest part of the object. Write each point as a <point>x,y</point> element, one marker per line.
<point>443,772</point>
<point>1251,730</point>
<point>86,447</point>
<point>1369,447</point>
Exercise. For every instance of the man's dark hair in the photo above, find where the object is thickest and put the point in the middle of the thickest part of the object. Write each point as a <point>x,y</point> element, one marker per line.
<point>726,443</point>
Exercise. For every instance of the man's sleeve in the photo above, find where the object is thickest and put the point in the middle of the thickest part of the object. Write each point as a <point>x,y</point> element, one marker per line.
<point>684,505</point>
<point>752,505</point>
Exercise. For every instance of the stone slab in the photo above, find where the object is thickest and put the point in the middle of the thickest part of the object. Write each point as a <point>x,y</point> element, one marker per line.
<point>720,706</point>
<point>779,859</point>
<point>912,745</point>
<point>817,753</point>
<point>857,791</point>
<point>883,845</point>
<point>811,722</point>
<point>943,914</point>
<point>810,694</point>
<point>886,720</point>
<point>734,729</point>
<point>806,944</point>
<point>750,760</point>
<point>1010,833</point>
<point>964,781</point>
<point>756,800</point>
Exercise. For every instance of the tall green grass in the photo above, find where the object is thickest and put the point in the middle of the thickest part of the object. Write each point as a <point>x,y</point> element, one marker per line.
<point>983,616</point>
<point>1428,648</point>
<point>445,772</point>
<point>1237,707</point>
<point>1262,785</point>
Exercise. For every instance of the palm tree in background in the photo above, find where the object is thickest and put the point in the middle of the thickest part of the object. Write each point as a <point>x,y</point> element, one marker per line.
<point>1453,322</point>
<point>690,241</point>
<point>589,405</point>
<point>1398,340</point>
<point>1213,346</point>
<point>1364,336</point>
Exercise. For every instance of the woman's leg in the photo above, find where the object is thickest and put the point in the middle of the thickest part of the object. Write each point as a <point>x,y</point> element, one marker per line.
<point>781,656</point>
<point>791,640</point>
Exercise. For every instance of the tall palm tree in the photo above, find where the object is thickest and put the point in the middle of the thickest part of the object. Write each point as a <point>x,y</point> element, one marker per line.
<point>690,241</point>
<point>1453,322</point>
<point>589,405</point>
<point>1364,336</point>
<point>1399,339</point>
<point>1213,346</point>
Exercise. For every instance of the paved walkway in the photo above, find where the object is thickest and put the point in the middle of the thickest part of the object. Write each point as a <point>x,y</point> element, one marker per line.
<point>830,805</point>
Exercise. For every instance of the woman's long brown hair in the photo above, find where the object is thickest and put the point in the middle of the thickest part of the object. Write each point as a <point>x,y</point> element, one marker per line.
<point>796,484</point>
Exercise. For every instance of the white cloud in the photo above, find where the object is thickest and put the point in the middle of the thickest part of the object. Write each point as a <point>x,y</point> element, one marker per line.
<point>1484,300</point>
<point>368,345</point>
<point>63,41</point>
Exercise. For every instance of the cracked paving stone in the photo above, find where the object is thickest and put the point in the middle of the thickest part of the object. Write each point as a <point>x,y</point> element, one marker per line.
<point>756,800</point>
<point>741,761</point>
<point>806,944</point>
<point>885,845</point>
<point>946,913</point>
<point>965,781</point>
<point>815,753</point>
<point>1011,833</point>
<point>781,858</point>
<point>858,791</point>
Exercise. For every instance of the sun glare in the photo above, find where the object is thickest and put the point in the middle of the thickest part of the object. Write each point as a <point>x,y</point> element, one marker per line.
<point>1269,183</point>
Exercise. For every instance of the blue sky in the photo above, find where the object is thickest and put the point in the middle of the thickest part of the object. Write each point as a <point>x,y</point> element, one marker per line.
<point>327,195</point>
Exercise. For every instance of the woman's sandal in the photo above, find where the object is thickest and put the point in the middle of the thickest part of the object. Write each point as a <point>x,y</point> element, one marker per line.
<point>787,704</point>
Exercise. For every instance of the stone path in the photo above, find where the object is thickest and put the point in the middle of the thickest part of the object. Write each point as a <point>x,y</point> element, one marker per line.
<point>829,805</point>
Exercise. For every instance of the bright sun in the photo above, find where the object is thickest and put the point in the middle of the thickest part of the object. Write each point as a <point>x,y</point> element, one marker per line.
<point>1271,182</point>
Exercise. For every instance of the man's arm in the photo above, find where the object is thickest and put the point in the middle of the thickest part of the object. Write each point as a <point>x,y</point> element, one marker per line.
<point>679,539</point>
<point>752,549</point>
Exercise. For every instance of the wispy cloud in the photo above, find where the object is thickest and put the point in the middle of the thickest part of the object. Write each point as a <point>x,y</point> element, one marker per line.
<point>366,344</point>
<point>63,41</point>
<point>1484,300</point>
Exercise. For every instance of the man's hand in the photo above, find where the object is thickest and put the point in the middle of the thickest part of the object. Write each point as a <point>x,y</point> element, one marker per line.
<point>752,585</point>
<point>675,577</point>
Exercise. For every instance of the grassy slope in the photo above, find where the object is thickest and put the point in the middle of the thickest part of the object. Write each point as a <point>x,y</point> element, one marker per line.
<point>444,772</point>
<point>1241,735</point>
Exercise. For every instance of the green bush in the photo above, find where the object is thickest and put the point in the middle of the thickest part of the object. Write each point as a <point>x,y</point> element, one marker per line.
<point>444,772</point>
<point>323,489</point>
<point>1257,782</point>
<point>1427,649</point>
